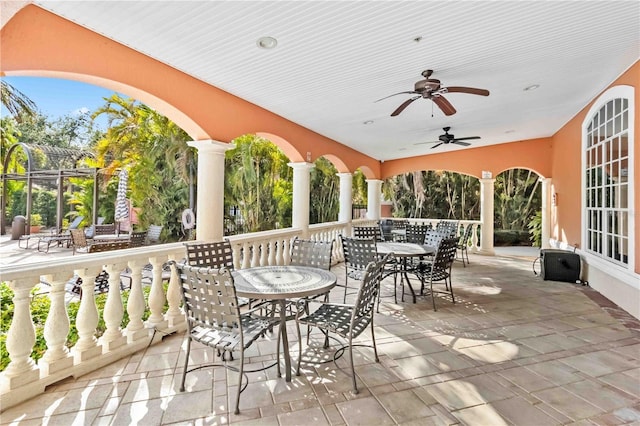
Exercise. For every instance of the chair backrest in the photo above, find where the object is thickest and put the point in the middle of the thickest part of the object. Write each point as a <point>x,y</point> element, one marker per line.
<point>153,234</point>
<point>433,237</point>
<point>450,228</point>
<point>107,229</point>
<point>399,223</point>
<point>445,255</point>
<point>217,254</point>
<point>415,233</point>
<point>137,239</point>
<point>368,293</point>
<point>367,232</point>
<point>76,222</point>
<point>358,252</point>
<point>209,297</point>
<point>78,239</point>
<point>313,253</point>
<point>386,226</point>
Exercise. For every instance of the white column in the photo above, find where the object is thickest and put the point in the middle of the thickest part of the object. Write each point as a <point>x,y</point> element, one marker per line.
<point>210,204</point>
<point>346,197</point>
<point>374,198</point>
<point>486,215</point>
<point>546,212</point>
<point>301,196</point>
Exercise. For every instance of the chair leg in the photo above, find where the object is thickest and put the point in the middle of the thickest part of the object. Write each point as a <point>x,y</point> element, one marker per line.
<point>299,349</point>
<point>373,341</point>
<point>241,372</point>
<point>353,370</point>
<point>346,286</point>
<point>433,297</point>
<point>186,363</point>
<point>278,351</point>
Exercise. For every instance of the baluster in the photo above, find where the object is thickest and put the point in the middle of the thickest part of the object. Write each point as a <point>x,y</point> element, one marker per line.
<point>156,296</point>
<point>246,255</point>
<point>87,320</point>
<point>282,258</point>
<point>272,252</point>
<point>20,339</point>
<point>113,311</point>
<point>237,256</point>
<point>174,297</point>
<point>255,259</point>
<point>56,328</point>
<point>135,304</point>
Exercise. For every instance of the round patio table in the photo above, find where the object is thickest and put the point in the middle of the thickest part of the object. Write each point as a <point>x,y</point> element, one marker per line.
<point>403,251</point>
<point>279,283</point>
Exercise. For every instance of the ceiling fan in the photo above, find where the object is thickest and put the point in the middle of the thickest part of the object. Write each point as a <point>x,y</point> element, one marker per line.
<point>448,138</point>
<point>430,88</point>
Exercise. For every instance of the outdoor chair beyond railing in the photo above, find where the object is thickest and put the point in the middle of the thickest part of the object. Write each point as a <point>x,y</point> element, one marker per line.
<point>106,229</point>
<point>214,319</point>
<point>367,232</point>
<point>439,269</point>
<point>79,242</point>
<point>101,284</point>
<point>137,239</point>
<point>463,244</point>
<point>153,234</point>
<point>60,238</point>
<point>347,321</point>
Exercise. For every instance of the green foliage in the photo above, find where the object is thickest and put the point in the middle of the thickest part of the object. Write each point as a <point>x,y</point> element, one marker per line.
<point>257,182</point>
<point>155,152</point>
<point>535,229</point>
<point>325,197</point>
<point>511,237</point>
<point>36,219</point>
<point>434,194</point>
<point>517,197</point>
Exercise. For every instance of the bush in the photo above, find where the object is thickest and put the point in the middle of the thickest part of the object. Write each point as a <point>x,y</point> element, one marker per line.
<point>40,306</point>
<point>535,229</point>
<point>506,237</point>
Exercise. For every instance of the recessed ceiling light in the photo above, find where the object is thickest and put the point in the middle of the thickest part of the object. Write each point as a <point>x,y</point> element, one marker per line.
<point>418,39</point>
<point>532,87</point>
<point>368,122</point>
<point>267,42</point>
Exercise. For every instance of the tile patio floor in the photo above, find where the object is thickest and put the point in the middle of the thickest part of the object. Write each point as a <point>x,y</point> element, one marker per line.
<point>513,350</point>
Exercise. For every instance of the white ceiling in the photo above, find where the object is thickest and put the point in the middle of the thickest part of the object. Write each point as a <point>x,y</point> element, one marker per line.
<point>334,59</point>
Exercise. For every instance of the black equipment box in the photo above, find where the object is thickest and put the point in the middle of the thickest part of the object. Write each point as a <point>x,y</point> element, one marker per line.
<point>560,265</point>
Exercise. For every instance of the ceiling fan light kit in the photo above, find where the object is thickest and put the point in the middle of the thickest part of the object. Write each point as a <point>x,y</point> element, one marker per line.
<point>431,88</point>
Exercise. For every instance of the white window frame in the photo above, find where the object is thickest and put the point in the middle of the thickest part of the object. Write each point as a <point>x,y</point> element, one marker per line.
<point>617,269</point>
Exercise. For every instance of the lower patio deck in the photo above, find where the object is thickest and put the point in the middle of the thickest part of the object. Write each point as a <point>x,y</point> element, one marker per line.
<point>513,349</point>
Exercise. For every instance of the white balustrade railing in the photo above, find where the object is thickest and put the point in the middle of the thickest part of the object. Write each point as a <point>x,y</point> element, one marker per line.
<point>24,378</point>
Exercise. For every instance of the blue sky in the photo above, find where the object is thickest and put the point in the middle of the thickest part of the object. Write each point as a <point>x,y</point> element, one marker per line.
<point>57,97</point>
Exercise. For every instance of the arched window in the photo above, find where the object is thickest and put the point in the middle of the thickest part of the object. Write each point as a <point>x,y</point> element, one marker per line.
<point>608,177</point>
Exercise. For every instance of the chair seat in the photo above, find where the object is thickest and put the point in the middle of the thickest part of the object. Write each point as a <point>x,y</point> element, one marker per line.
<point>228,339</point>
<point>335,318</point>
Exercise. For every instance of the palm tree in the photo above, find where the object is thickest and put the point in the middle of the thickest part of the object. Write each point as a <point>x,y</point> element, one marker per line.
<point>17,103</point>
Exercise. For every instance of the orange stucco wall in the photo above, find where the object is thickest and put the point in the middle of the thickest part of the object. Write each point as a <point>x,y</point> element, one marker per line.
<point>534,154</point>
<point>566,169</point>
<point>36,42</point>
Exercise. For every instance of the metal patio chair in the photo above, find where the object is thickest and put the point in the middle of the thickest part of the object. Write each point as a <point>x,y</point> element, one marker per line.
<point>347,321</point>
<point>214,319</point>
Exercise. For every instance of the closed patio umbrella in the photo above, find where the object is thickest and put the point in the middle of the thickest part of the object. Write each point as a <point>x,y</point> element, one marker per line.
<point>122,207</point>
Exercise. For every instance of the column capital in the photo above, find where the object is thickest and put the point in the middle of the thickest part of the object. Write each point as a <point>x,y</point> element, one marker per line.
<point>301,165</point>
<point>374,180</point>
<point>487,180</point>
<point>344,174</point>
<point>210,145</point>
